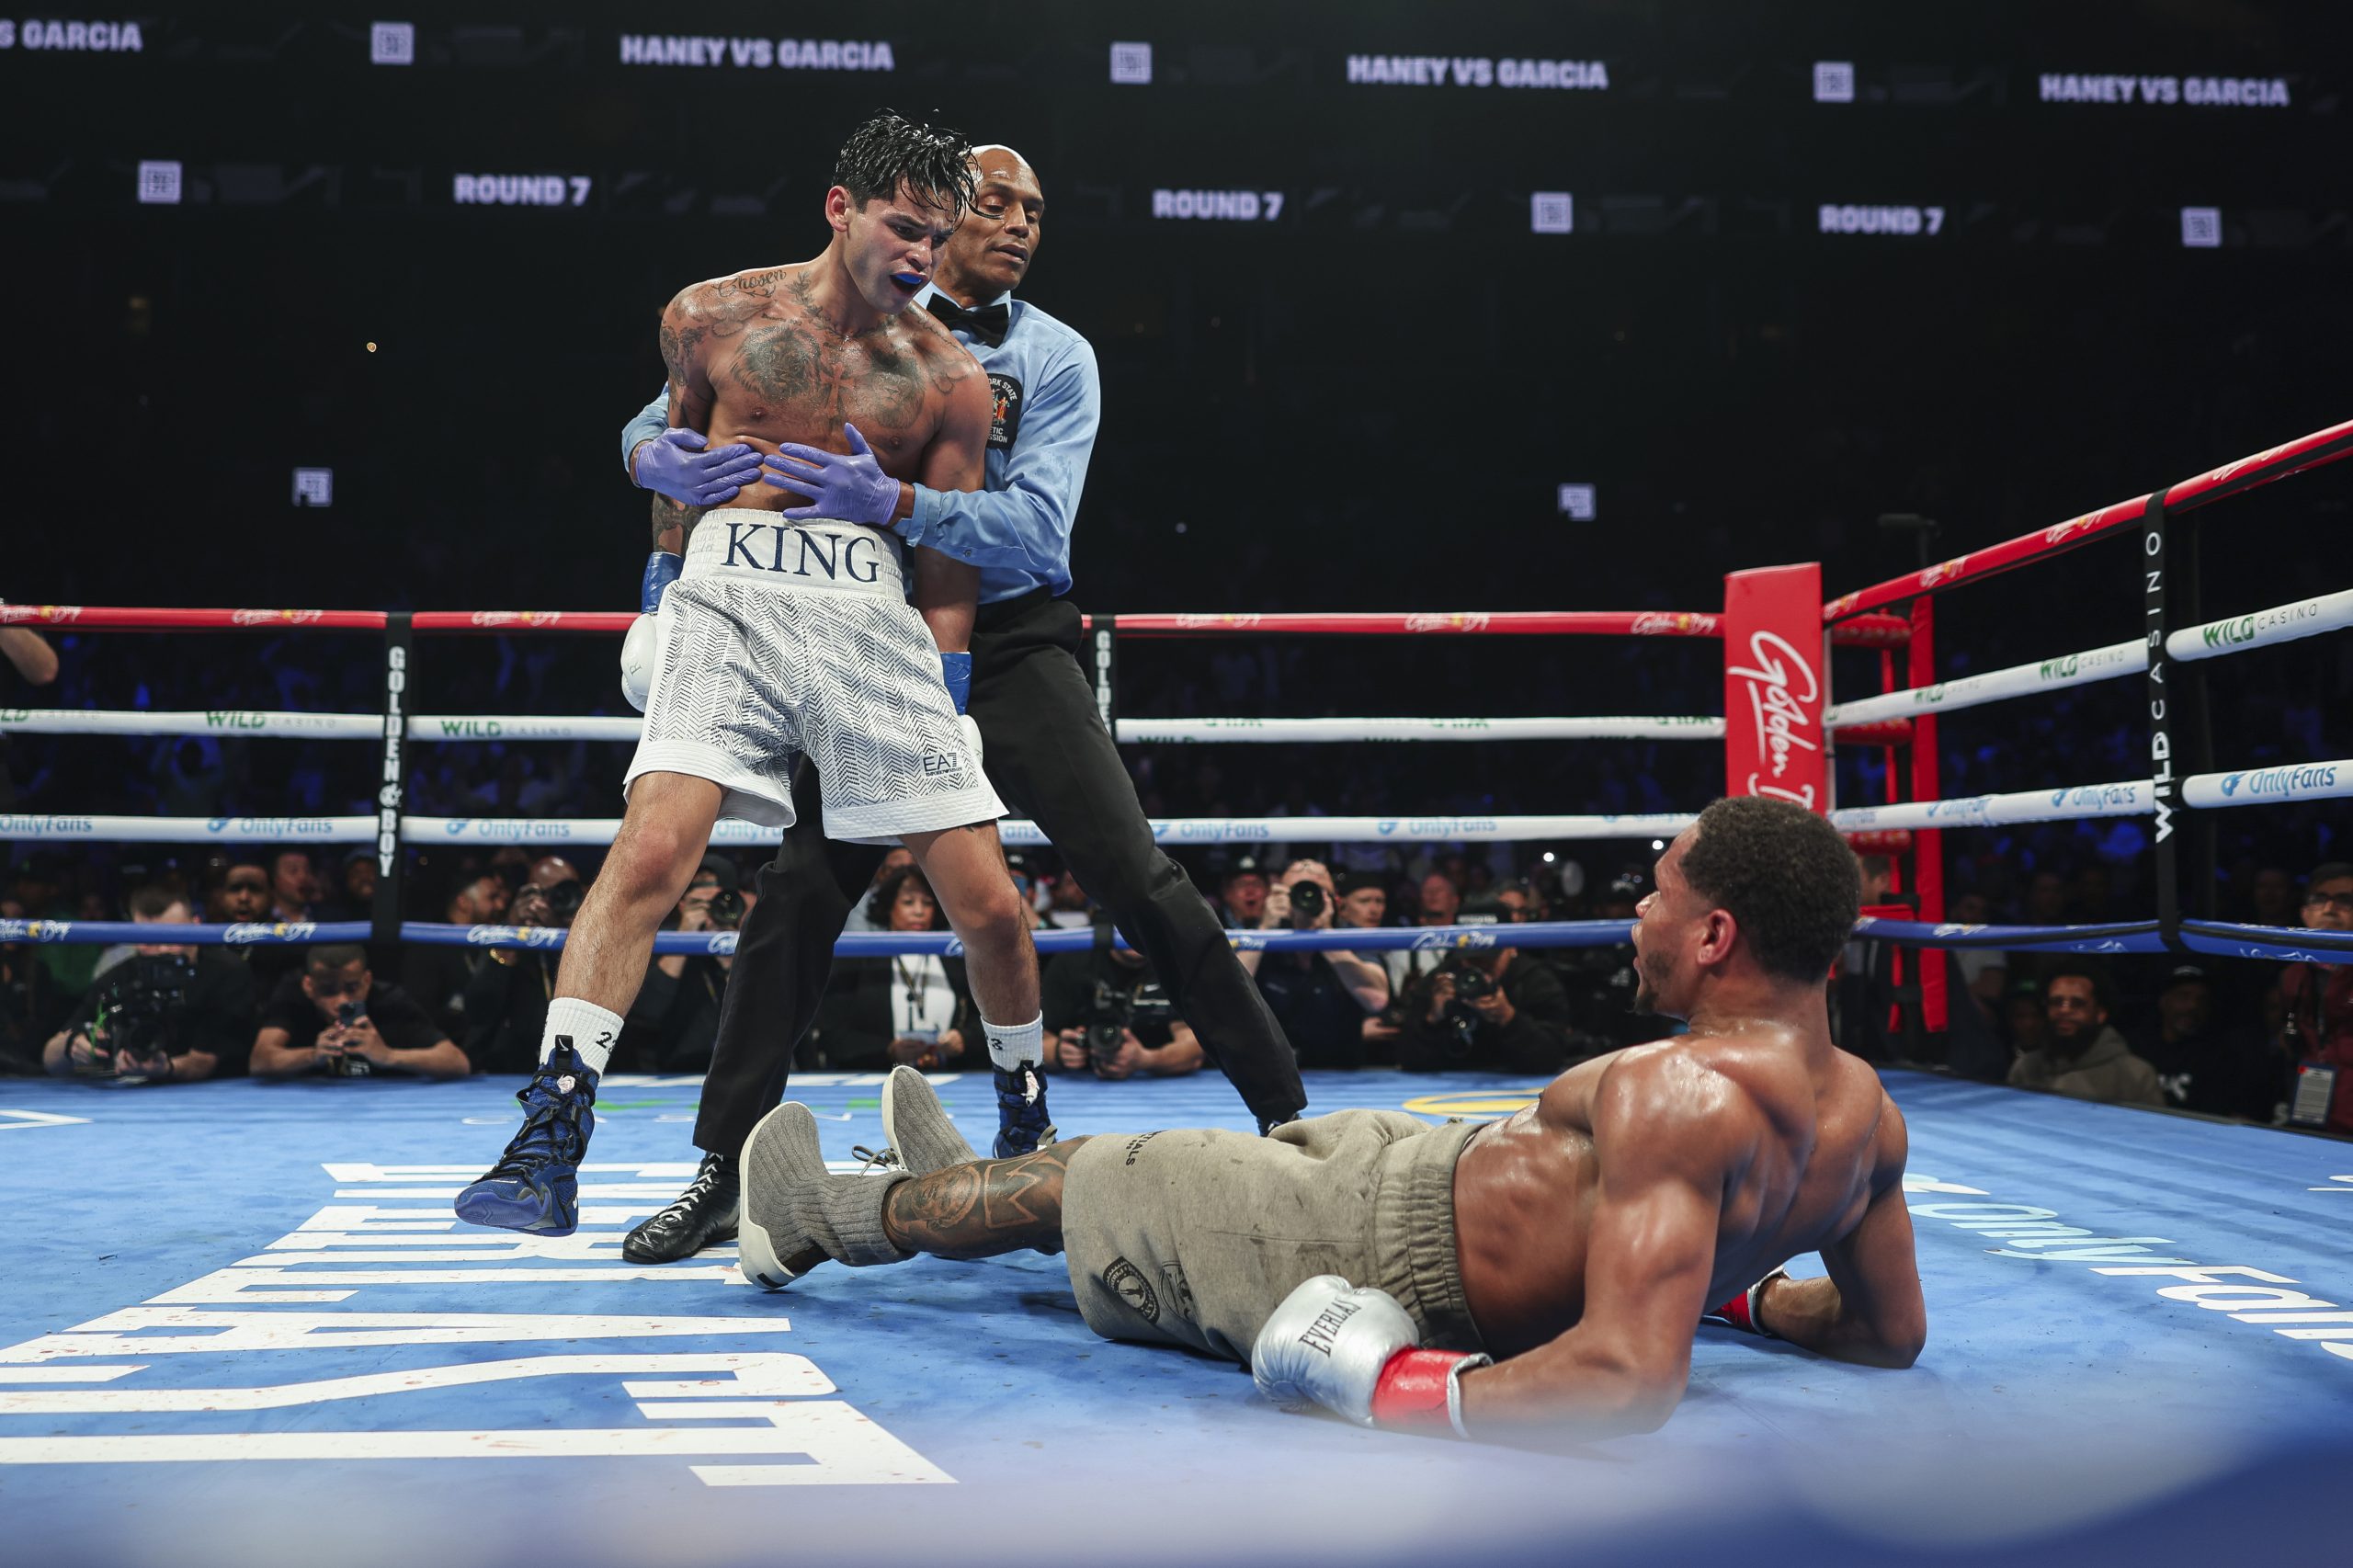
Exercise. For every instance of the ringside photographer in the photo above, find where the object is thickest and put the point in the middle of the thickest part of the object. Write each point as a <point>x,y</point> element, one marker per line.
<point>1488,1010</point>
<point>334,1019</point>
<point>1107,1013</point>
<point>168,1013</point>
<point>1321,999</point>
<point>505,1000</point>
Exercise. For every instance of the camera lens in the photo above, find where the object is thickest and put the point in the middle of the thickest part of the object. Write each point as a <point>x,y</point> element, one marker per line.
<point>563,900</point>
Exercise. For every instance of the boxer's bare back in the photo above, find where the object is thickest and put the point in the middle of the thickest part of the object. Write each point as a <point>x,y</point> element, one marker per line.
<point>763,358</point>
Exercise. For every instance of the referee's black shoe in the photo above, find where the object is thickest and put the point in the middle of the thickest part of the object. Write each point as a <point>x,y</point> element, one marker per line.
<point>702,1214</point>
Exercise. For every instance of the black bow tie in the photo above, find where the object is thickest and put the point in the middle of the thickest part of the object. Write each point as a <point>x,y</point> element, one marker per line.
<point>988,323</point>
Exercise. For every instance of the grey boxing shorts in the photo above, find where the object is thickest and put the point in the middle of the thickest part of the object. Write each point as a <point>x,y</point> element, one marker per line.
<point>1193,1237</point>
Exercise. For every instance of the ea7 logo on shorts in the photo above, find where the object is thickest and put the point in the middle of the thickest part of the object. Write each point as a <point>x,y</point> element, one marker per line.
<point>1005,422</point>
<point>1128,1283</point>
<point>942,765</point>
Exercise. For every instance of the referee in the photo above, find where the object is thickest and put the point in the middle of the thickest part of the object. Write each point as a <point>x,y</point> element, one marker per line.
<point>1046,749</point>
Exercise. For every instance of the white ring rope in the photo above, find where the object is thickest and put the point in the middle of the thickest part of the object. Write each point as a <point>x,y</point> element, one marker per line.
<point>2231,634</point>
<point>2266,786</point>
<point>2129,799</point>
<point>1996,685</point>
<point>2270,786</point>
<point>1619,729</point>
<point>2280,623</point>
<point>2275,786</point>
<point>595,831</point>
<point>244,722</point>
<point>192,722</point>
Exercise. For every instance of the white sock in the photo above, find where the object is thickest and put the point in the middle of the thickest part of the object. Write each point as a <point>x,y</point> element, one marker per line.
<point>593,1031</point>
<point>1015,1046</point>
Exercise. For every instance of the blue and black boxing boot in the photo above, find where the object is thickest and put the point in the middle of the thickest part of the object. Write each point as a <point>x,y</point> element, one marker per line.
<point>1021,1124</point>
<point>535,1186</point>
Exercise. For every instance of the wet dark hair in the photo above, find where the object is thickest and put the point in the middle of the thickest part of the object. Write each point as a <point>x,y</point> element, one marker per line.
<point>886,894</point>
<point>890,151</point>
<point>1786,878</point>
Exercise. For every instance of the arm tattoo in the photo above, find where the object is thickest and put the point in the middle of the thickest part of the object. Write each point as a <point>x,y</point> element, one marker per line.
<point>669,514</point>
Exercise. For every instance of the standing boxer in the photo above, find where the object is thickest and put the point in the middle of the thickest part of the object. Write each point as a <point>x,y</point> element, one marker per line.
<point>1047,748</point>
<point>790,635</point>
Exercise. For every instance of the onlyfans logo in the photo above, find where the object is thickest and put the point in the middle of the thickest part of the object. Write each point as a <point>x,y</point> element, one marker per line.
<point>2286,783</point>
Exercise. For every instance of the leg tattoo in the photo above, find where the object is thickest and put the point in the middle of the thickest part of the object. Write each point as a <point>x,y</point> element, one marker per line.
<point>983,1208</point>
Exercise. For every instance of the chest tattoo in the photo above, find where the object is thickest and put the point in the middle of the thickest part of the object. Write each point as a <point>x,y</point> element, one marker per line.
<point>806,365</point>
<point>791,365</point>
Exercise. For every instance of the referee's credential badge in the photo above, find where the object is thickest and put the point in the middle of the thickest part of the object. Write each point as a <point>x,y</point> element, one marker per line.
<point>1005,424</point>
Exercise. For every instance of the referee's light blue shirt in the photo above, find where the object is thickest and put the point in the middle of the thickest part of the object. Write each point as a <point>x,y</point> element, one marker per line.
<point>1049,406</point>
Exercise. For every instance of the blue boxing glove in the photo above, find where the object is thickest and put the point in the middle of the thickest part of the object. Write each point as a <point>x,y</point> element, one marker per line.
<point>1354,1350</point>
<point>850,487</point>
<point>955,673</point>
<point>637,648</point>
<point>662,569</point>
<point>675,464</point>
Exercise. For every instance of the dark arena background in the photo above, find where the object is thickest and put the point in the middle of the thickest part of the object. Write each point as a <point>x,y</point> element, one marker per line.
<point>2025,323</point>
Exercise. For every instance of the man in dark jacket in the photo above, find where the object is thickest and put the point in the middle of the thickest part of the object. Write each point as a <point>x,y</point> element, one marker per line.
<point>1489,1010</point>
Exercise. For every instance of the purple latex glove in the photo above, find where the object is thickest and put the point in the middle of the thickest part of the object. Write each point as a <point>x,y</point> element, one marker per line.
<point>850,486</point>
<point>675,464</point>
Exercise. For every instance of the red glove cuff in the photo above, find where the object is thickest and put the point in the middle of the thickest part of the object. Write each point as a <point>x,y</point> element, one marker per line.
<point>1741,1311</point>
<point>1416,1391</point>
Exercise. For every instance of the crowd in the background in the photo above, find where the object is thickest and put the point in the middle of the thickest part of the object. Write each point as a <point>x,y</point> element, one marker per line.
<point>2225,1038</point>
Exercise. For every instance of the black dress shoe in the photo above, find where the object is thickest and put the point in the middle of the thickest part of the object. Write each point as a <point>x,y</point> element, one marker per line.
<point>702,1214</point>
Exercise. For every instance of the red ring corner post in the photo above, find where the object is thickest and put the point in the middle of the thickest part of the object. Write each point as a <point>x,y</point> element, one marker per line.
<point>1776,685</point>
<point>1777,690</point>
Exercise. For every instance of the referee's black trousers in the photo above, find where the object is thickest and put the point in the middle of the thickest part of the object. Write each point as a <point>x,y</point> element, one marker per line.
<point>1050,757</point>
